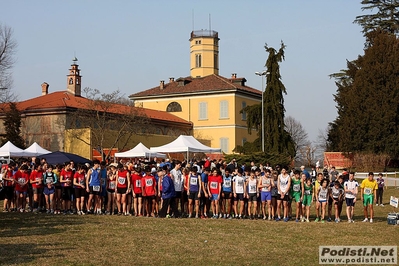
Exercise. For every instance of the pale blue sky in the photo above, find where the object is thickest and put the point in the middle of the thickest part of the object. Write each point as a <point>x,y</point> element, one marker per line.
<point>132,45</point>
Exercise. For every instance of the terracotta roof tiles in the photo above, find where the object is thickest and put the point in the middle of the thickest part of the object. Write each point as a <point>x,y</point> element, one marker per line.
<point>63,99</point>
<point>211,83</point>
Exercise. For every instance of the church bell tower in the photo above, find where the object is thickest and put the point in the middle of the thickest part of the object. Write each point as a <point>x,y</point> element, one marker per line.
<point>74,79</point>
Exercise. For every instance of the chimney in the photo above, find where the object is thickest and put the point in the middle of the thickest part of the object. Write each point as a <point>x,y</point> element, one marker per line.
<point>45,88</point>
<point>171,80</point>
<point>234,75</point>
<point>162,84</point>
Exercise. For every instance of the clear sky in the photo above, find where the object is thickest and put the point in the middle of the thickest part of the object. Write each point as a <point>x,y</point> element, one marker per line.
<point>132,45</point>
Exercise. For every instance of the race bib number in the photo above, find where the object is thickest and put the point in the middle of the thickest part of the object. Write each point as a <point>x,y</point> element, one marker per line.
<point>193,181</point>
<point>214,185</point>
<point>49,180</point>
<point>240,183</point>
<point>265,182</point>
<point>112,185</point>
<point>227,183</point>
<point>367,191</point>
<point>307,192</point>
<point>96,188</point>
<point>296,187</point>
<point>323,195</point>
<point>252,189</point>
<point>148,182</point>
<point>138,183</point>
<point>121,180</point>
<point>21,180</point>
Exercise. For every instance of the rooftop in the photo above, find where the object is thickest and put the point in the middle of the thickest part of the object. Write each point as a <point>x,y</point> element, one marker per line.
<point>64,100</point>
<point>208,84</point>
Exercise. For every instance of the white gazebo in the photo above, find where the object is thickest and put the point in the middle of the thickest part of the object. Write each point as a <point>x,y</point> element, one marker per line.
<point>185,144</point>
<point>140,151</point>
<point>36,149</point>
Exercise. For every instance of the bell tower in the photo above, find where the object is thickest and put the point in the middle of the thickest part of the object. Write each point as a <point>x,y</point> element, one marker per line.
<point>204,53</point>
<point>74,79</point>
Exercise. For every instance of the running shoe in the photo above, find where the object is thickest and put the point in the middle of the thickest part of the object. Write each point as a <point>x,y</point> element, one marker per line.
<point>365,220</point>
<point>317,219</point>
<point>286,219</point>
<point>371,220</point>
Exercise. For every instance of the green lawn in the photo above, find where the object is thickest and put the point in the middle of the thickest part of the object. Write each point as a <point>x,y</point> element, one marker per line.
<point>40,239</point>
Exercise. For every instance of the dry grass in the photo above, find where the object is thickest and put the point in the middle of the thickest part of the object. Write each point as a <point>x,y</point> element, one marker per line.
<point>29,239</point>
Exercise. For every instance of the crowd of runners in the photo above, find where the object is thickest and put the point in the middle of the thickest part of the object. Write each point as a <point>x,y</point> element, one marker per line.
<point>203,189</point>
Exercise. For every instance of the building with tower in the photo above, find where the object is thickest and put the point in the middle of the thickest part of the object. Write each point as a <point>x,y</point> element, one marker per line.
<point>212,103</point>
<point>49,120</point>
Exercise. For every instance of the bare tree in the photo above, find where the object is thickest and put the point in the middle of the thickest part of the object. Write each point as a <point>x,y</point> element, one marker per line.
<point>299,136</point>
<point>111,121</point>
<point>7,50</point>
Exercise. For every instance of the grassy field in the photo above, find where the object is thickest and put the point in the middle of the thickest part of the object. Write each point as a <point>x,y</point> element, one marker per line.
<point>40,239</point>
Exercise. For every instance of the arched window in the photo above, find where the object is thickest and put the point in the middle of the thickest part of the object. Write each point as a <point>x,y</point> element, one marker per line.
<point>173,107</point>
<point>70,81</point>
<point>77,81</point>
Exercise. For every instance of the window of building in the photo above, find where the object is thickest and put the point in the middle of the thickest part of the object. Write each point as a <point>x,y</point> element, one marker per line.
<point>215,59</point>
<point>198,42</point>
<point>243,114</point>
<point>203,111</point>
<point>224,109</point>
<point>46,143</point>
<point>224,145</point>
<point>70,81</point>
<point>243,141</point>
<point>198,60</point>
<point>173,107</point>
<point>45,125</point>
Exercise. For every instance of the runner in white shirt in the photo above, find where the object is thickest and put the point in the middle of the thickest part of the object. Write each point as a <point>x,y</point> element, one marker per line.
<point>238,193</point>
<point>283,186</point>
<point>351,189</point>
<point>178,181</point>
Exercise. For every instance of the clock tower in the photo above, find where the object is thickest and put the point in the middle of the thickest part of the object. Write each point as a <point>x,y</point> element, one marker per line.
<point>74,79</point>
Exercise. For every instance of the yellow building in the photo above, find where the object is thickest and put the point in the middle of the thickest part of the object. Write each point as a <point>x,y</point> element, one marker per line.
<point>211,102</point>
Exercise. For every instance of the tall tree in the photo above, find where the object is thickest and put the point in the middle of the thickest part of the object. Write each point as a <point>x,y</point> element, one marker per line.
<point>7,50</point>
<point>277,139</point>
<point>368,99</point>
<point>386,16</point>
<point>12,124</point>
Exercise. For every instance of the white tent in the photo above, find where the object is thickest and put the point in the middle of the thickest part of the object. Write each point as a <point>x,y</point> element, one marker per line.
<point>139,151</point>
<point>10,150</point>
<point>36,149</point>
<point>185,144</point>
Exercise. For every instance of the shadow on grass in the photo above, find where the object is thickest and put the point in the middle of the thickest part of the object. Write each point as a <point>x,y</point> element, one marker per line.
<point>27,224</point>
<point>24,253</point>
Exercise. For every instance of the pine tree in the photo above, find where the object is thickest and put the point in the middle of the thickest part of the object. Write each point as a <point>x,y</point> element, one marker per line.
<point>386,17</point>
<point>277,139</point>
<point>368,99</point>
<point>12,124</point>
